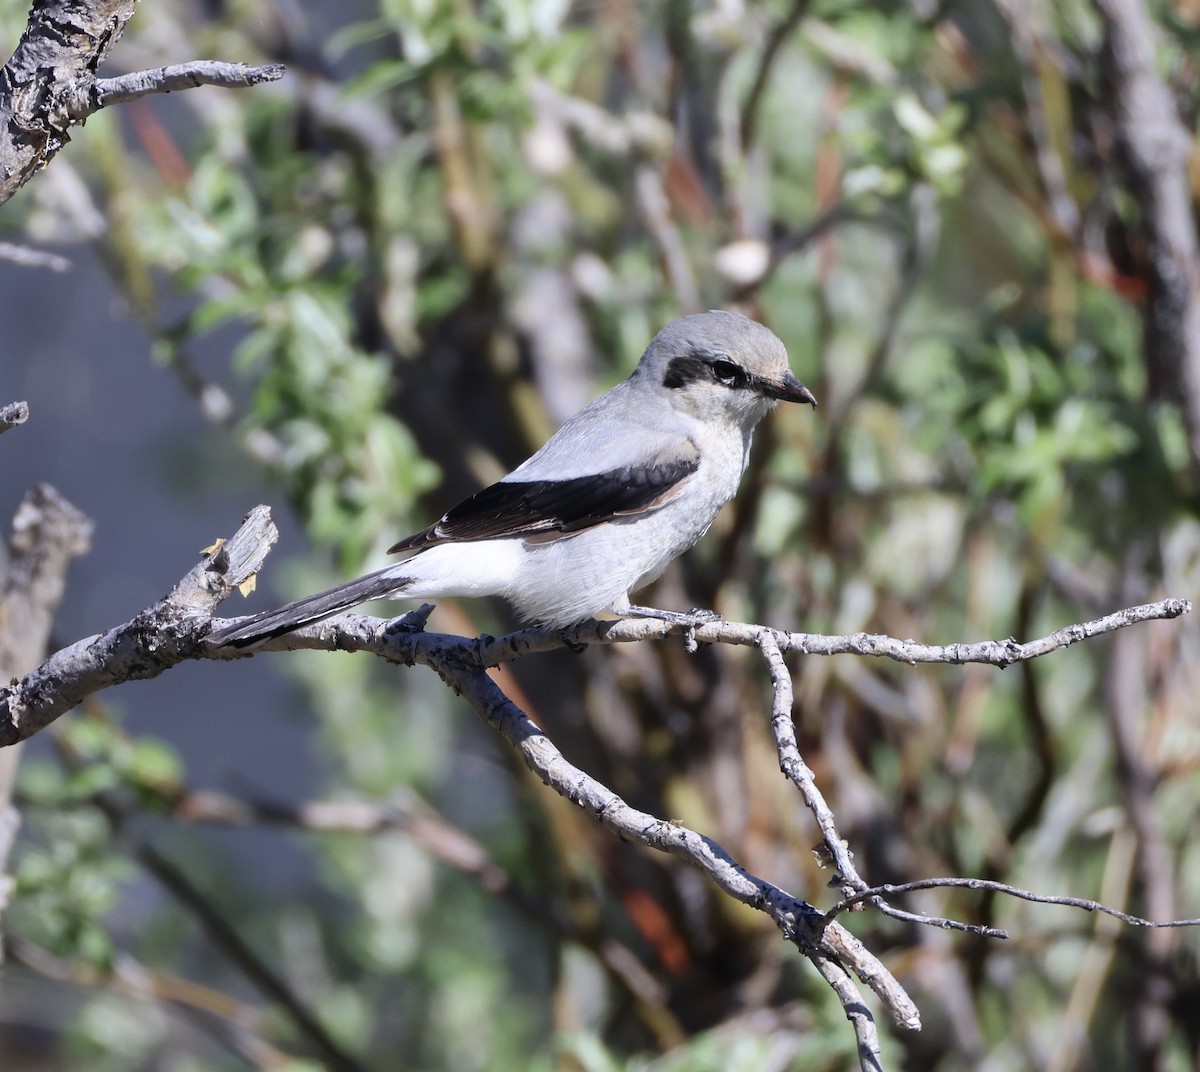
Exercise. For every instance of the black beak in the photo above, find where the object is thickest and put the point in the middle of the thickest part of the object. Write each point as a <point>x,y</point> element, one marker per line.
<point>788,389</point>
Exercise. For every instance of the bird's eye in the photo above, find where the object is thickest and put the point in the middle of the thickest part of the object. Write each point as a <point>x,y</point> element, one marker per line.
<point>727,372</point>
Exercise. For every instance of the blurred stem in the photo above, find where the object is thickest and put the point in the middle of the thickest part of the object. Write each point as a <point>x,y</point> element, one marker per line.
<point>187,894</point>
<point>1044,753</point>
<point>222,932</point>
<point>47,534</point>
<point>1126,701</point>
<point>121,253</point>
<point>463,158</point>
<point>1097,961</point>
<point>776,39</point>
<point>200,1003</point>
<point>118,246</point>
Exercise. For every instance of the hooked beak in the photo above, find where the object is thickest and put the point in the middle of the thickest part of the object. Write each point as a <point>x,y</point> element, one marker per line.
<point>788,389</point>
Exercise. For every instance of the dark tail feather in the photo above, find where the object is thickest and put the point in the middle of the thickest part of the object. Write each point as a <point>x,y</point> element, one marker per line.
<point>273,623</point>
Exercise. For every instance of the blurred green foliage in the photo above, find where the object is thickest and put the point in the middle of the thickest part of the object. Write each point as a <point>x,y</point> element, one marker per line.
<point>992,457</point>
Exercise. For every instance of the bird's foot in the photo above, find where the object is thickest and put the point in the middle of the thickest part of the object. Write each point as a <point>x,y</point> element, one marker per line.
<point>689,620</point>
<point>414,621</point>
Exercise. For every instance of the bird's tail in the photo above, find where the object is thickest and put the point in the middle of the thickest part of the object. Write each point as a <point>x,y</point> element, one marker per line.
<point>273,623</point>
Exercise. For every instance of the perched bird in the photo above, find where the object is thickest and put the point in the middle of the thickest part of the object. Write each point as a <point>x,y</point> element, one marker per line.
<point>626,485</point>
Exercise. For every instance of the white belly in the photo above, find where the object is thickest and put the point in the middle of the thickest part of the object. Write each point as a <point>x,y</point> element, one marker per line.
<point>562,581</point>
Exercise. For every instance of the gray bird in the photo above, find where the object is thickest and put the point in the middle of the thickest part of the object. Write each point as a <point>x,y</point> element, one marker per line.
<point>621,489</point>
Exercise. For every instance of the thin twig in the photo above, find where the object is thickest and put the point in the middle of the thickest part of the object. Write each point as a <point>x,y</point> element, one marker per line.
<point>215,403</point>
<point>797,771</point>
<point>223,933</point>
<point>895,889</point>
<point>1030,52</point>
<point>1001,653</point>
<point>82,99</point>
<point>27,257</point>
<point>800,774</point>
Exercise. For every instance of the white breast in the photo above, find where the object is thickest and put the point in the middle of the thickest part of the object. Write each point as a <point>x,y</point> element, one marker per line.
<point>562,581</point>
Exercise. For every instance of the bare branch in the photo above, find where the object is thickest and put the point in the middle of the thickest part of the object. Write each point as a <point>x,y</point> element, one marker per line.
<point>656,211</point>
<point>84,99</point>
<point>160,637</point>
<point>1001,653</point>
<point>417,819</point>
<point>796,770</point>
<point>12,414</point>
<point>1030,50</point>
<point>176,629</point>
<point>793,916</point>
<point>865,1032</point>
<point>800,774</point>
<point>27,257</point>
<point>47,533</point>
<point>894,890</point>
<point>225,935</point>
<point>49,82</point>
<point>62,45</point>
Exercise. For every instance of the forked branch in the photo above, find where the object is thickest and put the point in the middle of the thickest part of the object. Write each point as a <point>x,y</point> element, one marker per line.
<point>49,83</point>
<point>175,629</point>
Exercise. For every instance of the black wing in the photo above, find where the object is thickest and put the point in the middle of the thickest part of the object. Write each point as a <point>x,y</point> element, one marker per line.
<point>546,507</point>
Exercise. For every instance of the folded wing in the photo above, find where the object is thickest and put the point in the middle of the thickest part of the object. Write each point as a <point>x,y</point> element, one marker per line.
<point>548,508</point>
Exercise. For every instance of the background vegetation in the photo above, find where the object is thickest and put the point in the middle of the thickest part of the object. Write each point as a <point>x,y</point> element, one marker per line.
<point>386,278</point>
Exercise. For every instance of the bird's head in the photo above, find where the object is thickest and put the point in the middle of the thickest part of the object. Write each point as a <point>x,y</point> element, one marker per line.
<point>722,366</point>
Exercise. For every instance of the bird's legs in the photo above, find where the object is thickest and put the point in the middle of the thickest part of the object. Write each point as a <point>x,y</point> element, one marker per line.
<point>689,620</point>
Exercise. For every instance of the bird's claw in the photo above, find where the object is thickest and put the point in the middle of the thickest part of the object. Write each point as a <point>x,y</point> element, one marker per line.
<point>689,621</point>
<point>414,621</point>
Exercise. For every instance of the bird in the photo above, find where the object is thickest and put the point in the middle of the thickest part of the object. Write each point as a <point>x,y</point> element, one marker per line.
<point>619,491</point>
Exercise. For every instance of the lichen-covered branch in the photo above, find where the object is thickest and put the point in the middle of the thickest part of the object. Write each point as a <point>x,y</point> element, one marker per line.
<point>176,629</point>
<point>162,636</point>
<point>12,414</point>
<point>50,83</point>
<point>127,87</point>
<point>62,45</point>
